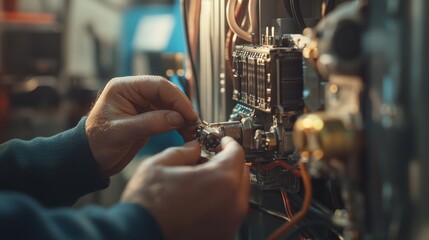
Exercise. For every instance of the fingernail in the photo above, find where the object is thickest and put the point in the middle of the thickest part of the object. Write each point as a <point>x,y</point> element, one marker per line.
<point>175,119</point>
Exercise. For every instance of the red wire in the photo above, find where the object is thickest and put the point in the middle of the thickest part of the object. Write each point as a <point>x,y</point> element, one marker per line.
<point>289,213</point>
<point>286,202</point>
<point>279,232</point>
<point>283,164</point>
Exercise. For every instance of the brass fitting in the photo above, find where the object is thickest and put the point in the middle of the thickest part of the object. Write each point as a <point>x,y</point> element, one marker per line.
<point>324,136</point>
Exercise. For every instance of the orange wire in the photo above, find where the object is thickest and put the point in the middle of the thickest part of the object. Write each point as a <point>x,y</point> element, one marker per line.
<point>305,206</point>
<point>323,8</point>
<point>194,25</point>
<point>288,208</point>
<point>239,15</point>
<point>286,203</point>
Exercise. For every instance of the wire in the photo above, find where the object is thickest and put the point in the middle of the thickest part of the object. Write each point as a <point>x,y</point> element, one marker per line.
<point>327,6</point>
<point>316,208</point>
<point>286,203</point>
<point>287,7</point>
<point>230,18</point>
<point>305,206</point>
<point>321,212</point>
<point>283,164</point>
<point>330,5</point>
<point>239,15</point>
<point>276,214</point>
<point>324,6</point>
<point>194,26</point>
<point>191,60</point>
<point>253,16</point>
<point>297,14</point>
<point>302,227</point>
<point>288,208</point>
<point>335,190</point>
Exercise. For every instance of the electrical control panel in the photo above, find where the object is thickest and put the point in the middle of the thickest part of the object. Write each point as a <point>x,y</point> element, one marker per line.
<point>321,91</point>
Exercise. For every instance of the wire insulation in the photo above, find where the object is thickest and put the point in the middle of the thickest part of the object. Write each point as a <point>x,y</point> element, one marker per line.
<point>273,213</point>
<point>297,14</point>
<point>277,234</point>
<point>324,11</point>
<point>287,7</point>
<point>286,203</point>
<point>230,40</point>
<point>253,16</point>
<point>194,25</point>
<point>232,23</point>
<point>190,63</point>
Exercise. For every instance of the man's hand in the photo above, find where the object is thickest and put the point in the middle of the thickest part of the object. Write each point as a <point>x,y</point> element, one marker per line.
<point>189,201</point>
<point>128,112</point>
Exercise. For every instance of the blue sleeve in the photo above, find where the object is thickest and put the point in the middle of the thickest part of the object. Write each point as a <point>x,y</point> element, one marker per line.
<point>56,170</point>
<point>23,218</point>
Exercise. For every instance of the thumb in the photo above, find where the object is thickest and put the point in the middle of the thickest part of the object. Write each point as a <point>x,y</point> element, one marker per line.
<point>152,123</point>
<point>187,155</point>
<point>229,155</point>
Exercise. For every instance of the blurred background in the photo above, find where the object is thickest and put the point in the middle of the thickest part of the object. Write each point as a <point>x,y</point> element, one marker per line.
<point>56,55</point>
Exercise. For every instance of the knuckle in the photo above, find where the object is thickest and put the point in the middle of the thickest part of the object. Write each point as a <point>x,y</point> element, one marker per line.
<point>113,82</point>
<point>223,176</point>
<point>161,81</point>
<point>166,83</point>
<point>155,118</point>
<point>149,170</point>
<point>174,151</point>
<point>164,117</point>
<point>112,85</point>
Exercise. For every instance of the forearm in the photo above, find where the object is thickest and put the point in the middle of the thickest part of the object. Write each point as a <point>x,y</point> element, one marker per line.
<point>55,170</point>
<point>22,218</point>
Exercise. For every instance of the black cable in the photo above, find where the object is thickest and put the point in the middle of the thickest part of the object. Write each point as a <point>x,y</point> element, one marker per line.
<point>276,214</point>
<point>320,211</point>
<point>297,14</point>
<point>300,18</point>
<point>302,227</point>
<point>191,60</point>
<point>330,4</point>
<point>287,7</point>
<point>316,207</point>
<point>335,189</point>
<point>273,213</point>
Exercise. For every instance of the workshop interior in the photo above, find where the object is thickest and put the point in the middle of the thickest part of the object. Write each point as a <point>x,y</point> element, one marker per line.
<point>326,97</point>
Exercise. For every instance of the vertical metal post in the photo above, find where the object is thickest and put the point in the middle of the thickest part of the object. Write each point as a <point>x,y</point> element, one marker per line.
<point>211,59</point>
<point>420,104</point>
<point>389,145</point>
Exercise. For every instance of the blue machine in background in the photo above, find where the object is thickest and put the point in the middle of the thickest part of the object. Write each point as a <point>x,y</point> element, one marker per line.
<point>149,33</point>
